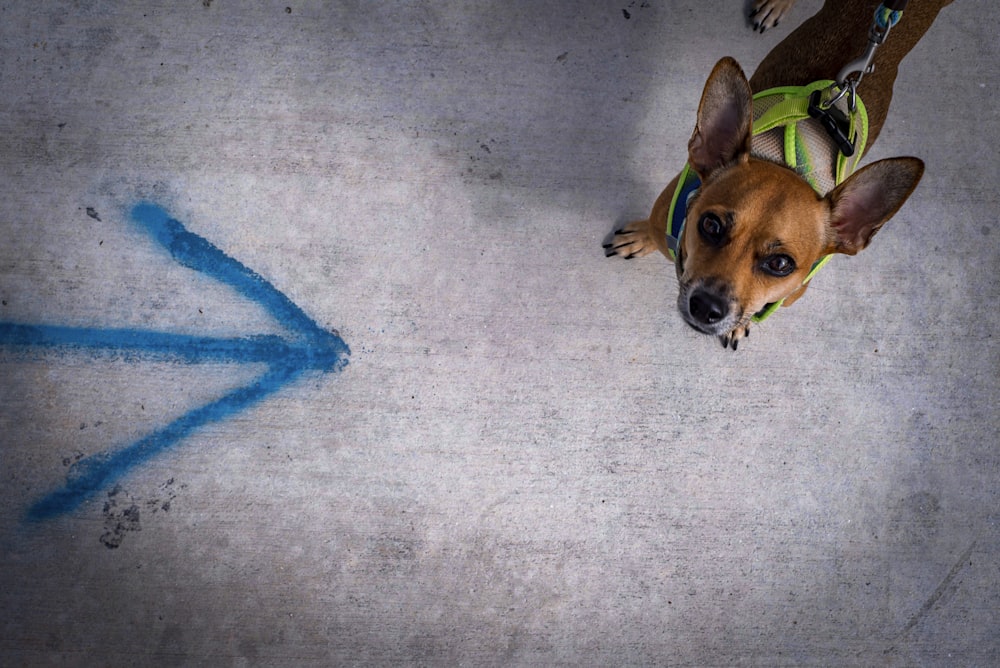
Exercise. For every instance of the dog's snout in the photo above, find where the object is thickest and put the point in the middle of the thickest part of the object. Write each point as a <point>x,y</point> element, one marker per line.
<point>707,308</point>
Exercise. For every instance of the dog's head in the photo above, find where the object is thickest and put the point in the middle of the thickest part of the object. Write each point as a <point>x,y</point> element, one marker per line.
<point>754,229</point>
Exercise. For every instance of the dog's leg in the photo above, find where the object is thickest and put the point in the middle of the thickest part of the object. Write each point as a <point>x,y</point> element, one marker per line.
<point>632,241</point>
<point>768,13</point>
<point>642,237</point>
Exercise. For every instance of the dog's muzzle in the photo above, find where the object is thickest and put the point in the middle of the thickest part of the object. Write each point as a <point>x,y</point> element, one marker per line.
<point>707,308</point>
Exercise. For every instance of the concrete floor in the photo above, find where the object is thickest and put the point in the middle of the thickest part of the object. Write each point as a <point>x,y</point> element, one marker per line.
<point>529,458</point>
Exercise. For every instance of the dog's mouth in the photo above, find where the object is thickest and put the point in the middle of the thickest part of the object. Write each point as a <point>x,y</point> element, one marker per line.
<point>707,307</point>
<point>720,328</point>
<point>701,329</point>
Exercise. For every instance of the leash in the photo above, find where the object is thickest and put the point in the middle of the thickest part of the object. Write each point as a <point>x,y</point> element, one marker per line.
<point>823,104</point>
<point>886,16</point>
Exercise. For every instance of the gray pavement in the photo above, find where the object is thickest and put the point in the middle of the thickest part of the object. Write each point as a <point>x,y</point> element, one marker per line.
<point>528,458</point>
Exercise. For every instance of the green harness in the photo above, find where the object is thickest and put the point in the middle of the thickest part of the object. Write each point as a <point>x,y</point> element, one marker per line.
<point>785,132</point>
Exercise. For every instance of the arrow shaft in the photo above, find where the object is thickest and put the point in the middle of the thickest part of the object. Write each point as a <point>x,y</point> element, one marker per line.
<point>157,345</point>
<point>97,472</point>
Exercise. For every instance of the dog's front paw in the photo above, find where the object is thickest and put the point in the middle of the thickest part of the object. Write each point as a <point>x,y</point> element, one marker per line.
<point>733,338</point>
<point>768,13</point>
<point>631,241</point>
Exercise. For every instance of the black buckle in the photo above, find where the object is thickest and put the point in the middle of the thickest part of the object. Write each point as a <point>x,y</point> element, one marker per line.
<point>833,121</point>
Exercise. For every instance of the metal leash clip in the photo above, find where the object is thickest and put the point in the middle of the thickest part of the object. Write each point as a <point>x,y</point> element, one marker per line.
<point>886,16</point>
<point>837,123</point>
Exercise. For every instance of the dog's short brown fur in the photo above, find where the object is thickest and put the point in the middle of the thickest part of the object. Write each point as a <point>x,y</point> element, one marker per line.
<point>755,228</point>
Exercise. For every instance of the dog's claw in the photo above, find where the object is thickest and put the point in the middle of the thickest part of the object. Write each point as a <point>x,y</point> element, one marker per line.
<point>630,242</point>
<point>733,338</point>
<point>767,14</point>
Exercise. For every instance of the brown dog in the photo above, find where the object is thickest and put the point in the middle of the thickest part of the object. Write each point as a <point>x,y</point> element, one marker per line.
<point>755,228</point>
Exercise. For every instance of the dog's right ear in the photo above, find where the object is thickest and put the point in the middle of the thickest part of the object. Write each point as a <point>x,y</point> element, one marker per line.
<point>725,120</point>
<point>868,198</point>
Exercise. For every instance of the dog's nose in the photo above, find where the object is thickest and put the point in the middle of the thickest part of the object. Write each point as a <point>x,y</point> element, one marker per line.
<point>707,308</point>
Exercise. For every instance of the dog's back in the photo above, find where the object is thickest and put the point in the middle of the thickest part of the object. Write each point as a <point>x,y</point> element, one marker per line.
<point>836,35</point>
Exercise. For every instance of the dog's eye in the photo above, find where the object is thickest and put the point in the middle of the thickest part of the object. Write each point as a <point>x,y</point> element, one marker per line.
<point>779,265</point>
<point>711,229</point>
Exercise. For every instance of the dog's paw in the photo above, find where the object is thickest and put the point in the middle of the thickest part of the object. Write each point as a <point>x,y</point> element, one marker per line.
<point>631,241</point>
<point>733,338</point>
<point>768,13</point>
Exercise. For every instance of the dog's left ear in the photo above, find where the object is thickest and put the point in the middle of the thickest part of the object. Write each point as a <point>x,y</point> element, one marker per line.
<point>725,120</point>
<point>865,201</point>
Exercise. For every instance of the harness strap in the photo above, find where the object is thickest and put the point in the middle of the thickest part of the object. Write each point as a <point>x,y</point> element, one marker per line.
<point>687,184</point>
<point>794,107</point>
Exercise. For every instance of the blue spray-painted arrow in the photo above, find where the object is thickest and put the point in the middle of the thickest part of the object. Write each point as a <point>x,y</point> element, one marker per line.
<point>311,348</point>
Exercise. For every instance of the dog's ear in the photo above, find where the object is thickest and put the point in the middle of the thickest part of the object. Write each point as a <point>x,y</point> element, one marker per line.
<point>865,201</point>
<point>725,120</point>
